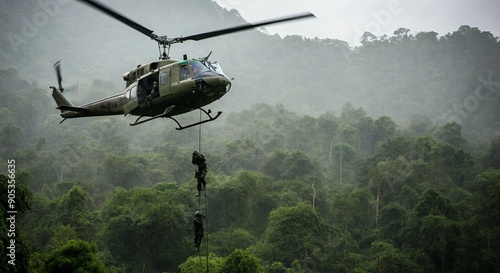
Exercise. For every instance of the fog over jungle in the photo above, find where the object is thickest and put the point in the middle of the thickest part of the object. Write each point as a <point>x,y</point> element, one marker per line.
<point>365,140</point>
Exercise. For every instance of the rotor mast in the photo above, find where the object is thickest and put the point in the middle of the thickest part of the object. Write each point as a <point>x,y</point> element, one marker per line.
<point>165,55</point>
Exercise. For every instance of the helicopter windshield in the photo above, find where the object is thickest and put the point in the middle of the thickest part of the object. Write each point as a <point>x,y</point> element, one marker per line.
<point>216,67</point>
<point>198,67</point>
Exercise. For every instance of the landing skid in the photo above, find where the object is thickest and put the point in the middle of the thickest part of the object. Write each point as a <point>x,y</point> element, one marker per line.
<point>162,115</point>
<point>165,115</point>
<point>210,118</point>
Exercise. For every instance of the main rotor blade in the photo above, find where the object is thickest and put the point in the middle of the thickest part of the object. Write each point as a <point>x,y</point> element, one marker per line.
<point>215,33</point>
<point>120,17</point>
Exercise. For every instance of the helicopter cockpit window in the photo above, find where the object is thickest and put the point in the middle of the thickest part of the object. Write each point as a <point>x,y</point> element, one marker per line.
<point>133,92</point>
<point>185,72</point>
<point>198,67</point>
<point>163,78</point>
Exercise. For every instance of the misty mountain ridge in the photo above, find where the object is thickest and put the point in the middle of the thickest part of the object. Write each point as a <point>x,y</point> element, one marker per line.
<point>453,77</point>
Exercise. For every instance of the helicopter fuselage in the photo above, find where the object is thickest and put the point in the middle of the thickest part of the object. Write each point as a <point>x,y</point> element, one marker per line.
<point>179,86</point>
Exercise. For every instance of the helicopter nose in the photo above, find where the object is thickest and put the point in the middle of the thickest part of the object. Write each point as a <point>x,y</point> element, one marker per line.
<point>213,85</point>
<point>217,81</point>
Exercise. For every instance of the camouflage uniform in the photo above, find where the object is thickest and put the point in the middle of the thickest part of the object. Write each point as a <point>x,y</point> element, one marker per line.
<point>198,229</point>
<point>199,160</point>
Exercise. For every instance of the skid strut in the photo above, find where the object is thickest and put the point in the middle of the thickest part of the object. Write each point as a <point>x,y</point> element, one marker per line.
<point>210,118</point>
<point>162,115</point>
<point>166,113</point>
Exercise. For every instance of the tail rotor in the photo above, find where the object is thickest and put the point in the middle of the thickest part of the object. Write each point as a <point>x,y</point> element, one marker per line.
<point>57,67</point>
<point>57,93</point>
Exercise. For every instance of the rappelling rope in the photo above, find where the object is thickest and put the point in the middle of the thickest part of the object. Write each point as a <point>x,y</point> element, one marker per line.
<point>199,206</point>
<point>206,227</point>
<point>199,135</point>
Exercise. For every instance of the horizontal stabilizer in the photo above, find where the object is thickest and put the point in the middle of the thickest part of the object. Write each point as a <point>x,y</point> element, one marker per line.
<point>72,108</point>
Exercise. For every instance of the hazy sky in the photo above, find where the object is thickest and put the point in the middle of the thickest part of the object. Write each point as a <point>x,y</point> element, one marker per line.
<point>347,19</point>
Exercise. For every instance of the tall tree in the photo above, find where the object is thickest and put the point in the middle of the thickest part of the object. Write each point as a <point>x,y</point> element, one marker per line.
<point>75,256</point>
<point>241,201</point>
<point>242,261</point>
<point>147,216</point>
<point>451,133</point>
<point>196,265</point>
<point>344,155</point>
<point>492,159</point>
<point>482,230</point>
<point>385,177</point>
<point>386,258</point>
<point>289,165</point>
<point>299,233</point>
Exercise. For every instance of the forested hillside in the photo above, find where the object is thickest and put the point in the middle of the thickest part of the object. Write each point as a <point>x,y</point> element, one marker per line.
<point>379,158</point>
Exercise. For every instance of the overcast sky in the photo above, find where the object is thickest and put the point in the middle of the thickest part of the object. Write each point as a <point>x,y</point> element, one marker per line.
<point>347,19</point>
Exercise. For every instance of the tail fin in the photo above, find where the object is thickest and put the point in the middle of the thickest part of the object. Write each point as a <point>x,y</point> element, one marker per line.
<point>60,99</point>
<point>57,94</point>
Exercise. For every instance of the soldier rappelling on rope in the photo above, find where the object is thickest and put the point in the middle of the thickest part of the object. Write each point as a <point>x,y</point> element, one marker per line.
<point>198,229</point>
<point>199,160</point>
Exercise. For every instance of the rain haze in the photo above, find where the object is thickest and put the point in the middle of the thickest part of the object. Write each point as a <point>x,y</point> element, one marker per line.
<point>365,140</point>
<point>347,20</point>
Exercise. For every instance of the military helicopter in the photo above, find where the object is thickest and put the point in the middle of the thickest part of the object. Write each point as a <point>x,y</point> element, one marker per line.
<point>163,88</point>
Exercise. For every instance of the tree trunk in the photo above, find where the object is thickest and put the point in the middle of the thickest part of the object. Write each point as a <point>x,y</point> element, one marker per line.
<point>340,165</point>
<point>377,207</point>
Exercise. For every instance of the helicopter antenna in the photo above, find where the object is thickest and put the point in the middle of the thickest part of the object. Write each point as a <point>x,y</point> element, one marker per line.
<point>208,56</point>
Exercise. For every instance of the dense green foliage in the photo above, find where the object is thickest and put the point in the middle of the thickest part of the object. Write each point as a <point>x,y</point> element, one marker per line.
<point>408,76</point>
<point>74,256</point>
<point>331,193</point>
<point>399,180</point>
